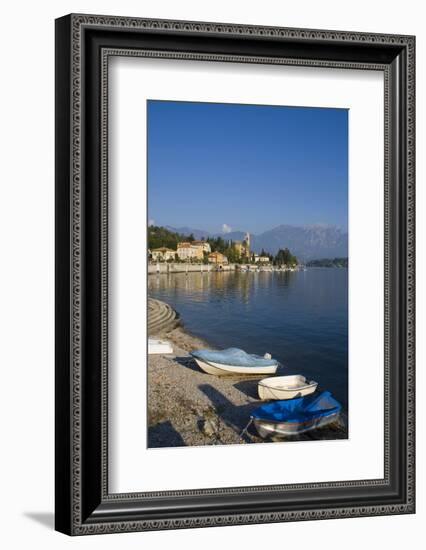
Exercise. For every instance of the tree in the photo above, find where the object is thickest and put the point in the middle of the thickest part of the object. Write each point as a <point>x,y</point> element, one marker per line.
<point>328,262</point>
<point>285,257</point>
<point>232,255</point>
<point>160,236</point>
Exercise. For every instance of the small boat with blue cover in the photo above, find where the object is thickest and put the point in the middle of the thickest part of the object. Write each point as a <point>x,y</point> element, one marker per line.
<point>234,361</point>
<point>296,416</point>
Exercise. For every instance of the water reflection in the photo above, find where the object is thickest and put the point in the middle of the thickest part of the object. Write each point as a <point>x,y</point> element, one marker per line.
<point>218,284</point>
<point>299,317</point>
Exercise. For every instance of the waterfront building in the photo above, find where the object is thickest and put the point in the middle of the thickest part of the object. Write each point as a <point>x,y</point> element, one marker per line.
<point>205,246</point>
<point>217,258</point>
<point>238,245</point>
<point>243,247</point>
<point>264,259</point>
<point>162,254</point>
<point>187,251</point>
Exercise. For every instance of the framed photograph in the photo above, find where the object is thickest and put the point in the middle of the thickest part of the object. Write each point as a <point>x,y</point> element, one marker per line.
<point>234,274</point>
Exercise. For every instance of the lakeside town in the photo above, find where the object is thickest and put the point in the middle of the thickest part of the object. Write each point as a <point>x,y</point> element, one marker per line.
<point>185,253</point>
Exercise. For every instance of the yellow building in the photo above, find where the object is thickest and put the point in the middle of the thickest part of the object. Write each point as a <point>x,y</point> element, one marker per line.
<point>187,252</point>
<point>239,248</point>
<point>162,254</point>
<point>203,244</point>
<point>217,258</point>
<point>243,248</point>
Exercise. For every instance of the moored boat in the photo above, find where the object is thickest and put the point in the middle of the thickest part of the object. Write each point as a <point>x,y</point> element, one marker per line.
<point>159,346</point>
<point>234,361</point>
<point>296,416</point>
<point>285,387</point>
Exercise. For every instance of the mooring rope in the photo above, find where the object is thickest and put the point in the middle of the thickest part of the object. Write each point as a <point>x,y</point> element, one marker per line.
<point>246,428</point>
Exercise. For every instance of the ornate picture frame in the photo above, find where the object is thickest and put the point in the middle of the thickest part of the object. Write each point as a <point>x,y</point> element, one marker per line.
<point>84,44</point>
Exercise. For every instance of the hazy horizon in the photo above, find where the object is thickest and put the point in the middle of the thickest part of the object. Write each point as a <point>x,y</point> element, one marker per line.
<point>243,230</point>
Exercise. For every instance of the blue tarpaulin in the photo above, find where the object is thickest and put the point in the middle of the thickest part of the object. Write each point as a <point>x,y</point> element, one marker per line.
<point>300,409</point>
<point>233,356</point>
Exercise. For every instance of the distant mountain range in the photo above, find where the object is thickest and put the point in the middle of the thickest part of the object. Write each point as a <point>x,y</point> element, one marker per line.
<point>307,242</point>
<point>198,233</point>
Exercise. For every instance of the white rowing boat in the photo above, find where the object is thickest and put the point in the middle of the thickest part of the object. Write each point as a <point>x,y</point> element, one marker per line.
<point>285,387</point>
<point>234,361</point>
<point>220,369</point>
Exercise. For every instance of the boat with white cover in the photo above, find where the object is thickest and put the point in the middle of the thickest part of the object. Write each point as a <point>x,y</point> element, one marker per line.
<point>234,361</point>
<point>159,346</point>
<point>285,387</point>
<point>296,416</point>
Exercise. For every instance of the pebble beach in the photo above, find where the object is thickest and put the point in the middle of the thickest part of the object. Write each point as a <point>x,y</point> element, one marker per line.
<point>187,407</point>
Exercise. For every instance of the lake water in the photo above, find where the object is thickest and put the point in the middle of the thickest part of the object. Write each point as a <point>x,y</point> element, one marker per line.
<point>301,318</point>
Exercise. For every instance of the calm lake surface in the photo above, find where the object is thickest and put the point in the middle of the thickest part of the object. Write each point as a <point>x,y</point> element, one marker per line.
<point>301,318</point>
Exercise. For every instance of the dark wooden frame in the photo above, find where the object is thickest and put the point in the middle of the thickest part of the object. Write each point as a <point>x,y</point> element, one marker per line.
<point>83,45</point>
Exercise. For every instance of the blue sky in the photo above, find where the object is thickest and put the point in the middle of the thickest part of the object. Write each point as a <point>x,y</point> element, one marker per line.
<point>246,167</point>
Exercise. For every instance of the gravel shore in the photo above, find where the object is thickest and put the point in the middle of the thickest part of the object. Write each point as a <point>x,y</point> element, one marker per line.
<point>189,407</point>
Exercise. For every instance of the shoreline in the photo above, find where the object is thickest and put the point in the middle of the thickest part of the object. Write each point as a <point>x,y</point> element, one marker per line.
<point>187,407</point>
<point>164,268</point>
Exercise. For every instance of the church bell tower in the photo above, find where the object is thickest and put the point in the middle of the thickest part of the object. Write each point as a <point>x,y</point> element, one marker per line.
<point>247,244</point>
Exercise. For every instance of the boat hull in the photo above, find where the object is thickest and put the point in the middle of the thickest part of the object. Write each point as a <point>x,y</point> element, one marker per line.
<point>223,370</point>
<point>285,387</point>
<point>266,428</point>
